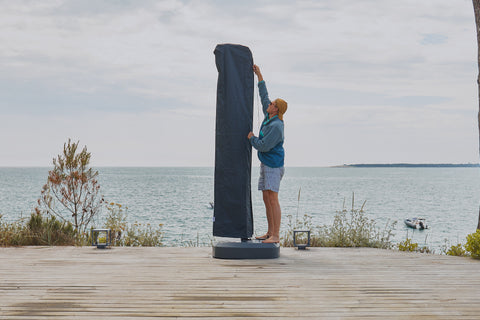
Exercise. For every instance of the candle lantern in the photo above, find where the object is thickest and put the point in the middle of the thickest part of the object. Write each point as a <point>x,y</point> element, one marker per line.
<point>301,246</point>
<point>101,238</point>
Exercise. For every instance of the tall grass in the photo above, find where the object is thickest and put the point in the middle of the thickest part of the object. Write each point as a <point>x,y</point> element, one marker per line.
<point>131,235</point>
<point>12,234</point>
<point>350,228</point>
<point>37,230</point>
<point>41,230</point>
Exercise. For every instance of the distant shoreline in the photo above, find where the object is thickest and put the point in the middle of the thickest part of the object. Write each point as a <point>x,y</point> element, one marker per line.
<point>409,165</point>
<point>355,165</point>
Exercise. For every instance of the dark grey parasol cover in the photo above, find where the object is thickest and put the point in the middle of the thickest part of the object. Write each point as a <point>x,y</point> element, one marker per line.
<point>233,216</point>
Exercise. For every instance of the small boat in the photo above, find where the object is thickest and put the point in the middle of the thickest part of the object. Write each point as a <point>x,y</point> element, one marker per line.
<point>211,205</point>
<point>416,223</point>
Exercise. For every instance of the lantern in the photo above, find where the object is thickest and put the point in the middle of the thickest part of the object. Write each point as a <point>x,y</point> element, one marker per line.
<point>101,238</point>
<point>301,246</point>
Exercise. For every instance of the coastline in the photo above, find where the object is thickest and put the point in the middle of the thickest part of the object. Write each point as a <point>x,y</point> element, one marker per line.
<point>409,165</point>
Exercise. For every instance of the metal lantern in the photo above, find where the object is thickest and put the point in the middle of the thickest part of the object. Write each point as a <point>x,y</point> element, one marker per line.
<point>301,246</point>
<point>101,238</point>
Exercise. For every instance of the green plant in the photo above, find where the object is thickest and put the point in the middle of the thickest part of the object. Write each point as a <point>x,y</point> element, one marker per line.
<point>408,245</point>
<point>72,191</point>
<point>12,233</point>
<point>456,250</point>
<point>116,221</point>
<point>473,244</point>
<point>50,231</point>
<point>131,235</point>
<point>304,224</point>
<point>37,231</point>
<point>140,235</point>
<point>351,228</point>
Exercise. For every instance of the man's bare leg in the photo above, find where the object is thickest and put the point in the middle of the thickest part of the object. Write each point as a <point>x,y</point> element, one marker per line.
<point>268,209</point>
<point>276,216</point>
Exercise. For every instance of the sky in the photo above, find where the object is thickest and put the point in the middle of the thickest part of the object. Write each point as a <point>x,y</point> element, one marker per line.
<point>135,81</point>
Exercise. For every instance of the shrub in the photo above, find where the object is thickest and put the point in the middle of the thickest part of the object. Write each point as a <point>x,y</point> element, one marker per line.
<point>40,230</point>
<point>72,190</point>
<point>36,231</point>
<point>133,235</point>
<point>473,244</point>
<point>50,231</point>
<point>305,224</point>
<point>456,250</point>
<point>12,234</point>
<point>140,235</point>
<point>410,246</point>
<point>116,221</point>
<point>351,228</point>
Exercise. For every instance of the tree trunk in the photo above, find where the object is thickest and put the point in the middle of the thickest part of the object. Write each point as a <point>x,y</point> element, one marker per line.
<point>476,8</point>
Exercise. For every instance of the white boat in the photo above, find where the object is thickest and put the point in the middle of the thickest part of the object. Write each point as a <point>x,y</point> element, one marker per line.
<point>416,223</point>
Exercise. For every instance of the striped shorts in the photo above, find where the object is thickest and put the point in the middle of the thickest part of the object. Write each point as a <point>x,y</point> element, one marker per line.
<point>270,178</point>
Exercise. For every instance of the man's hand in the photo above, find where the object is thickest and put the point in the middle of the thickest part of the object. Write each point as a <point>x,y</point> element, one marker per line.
<point>256,70</point>
<point>250,134</point>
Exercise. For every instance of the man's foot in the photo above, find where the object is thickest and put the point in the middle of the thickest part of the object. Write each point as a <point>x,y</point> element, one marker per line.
<point>264,237</point>
<point>271,239</point>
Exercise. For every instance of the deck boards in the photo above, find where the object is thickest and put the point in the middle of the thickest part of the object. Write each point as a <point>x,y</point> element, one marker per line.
<point>187,283</point>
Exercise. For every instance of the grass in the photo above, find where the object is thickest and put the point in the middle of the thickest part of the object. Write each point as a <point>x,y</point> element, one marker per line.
<point>131,235</point>
<point>37,230</point>
<point>41,230</point>
<point>350,228</point>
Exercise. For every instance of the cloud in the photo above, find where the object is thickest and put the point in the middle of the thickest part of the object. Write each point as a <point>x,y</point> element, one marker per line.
<point>343,66</point>
<point>135,52</point>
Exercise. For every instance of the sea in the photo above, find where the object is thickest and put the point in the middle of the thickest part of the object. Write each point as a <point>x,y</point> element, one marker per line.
<point>179,199</point>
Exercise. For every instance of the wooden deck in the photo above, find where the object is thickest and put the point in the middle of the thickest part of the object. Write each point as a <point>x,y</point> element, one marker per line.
<point>187,283</point>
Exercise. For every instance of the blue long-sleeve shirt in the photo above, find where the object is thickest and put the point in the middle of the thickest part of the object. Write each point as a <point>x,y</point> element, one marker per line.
<point>269,143</point>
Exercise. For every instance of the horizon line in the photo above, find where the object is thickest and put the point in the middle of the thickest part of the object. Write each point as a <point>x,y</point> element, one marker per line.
<point>472,164</point>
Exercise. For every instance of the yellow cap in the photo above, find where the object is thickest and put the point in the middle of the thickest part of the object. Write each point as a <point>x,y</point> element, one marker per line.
<point>282,107</point>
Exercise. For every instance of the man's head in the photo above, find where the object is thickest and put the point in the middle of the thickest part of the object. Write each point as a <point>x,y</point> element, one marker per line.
<point>281,106</point>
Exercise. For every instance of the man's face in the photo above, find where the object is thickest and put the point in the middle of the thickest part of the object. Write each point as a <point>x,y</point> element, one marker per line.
<point>272,108</point>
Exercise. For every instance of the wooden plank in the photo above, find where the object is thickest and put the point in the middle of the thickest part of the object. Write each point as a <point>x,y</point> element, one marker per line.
<point>187,283</point>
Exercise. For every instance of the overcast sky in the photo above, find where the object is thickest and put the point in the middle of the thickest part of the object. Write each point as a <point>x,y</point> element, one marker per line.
<point>135,81</point>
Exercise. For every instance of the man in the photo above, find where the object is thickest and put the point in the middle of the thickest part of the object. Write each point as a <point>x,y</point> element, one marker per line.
<point>271,154</point>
